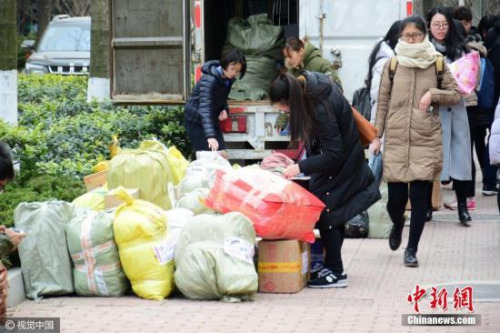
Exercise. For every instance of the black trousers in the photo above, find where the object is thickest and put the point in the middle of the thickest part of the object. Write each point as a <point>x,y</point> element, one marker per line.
<point>332,240</point>
<point>420,191</point>
<point>197,137</point>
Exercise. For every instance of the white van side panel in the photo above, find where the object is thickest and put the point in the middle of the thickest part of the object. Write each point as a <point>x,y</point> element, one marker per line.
<point>351,26</point>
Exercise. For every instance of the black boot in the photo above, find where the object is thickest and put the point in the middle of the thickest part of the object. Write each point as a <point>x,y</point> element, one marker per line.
<point>463,215</point>
<point>395,235</point>
<point>411,258</point>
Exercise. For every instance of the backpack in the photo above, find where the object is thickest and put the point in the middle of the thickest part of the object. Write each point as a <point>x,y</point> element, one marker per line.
<point>361,101</point>
<point>486,86</point>
<point>358,226</point>
<point>439,64</point>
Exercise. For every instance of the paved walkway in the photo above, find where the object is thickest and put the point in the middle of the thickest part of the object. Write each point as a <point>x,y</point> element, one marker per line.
<point>375,300</point>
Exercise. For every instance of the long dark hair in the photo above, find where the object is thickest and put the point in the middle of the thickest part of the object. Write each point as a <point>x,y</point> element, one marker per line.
<point>487,22</point>
<point>455,45</point>
<point>6,166</point>
<point>288,90</point>
<point>391,38</point>
<point>462,33</point>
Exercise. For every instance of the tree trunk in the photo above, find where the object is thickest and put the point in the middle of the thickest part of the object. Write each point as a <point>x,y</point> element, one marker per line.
<point>8,36</point>
<point>8,61</point>
<point>99,52</point>
<point>44,16</point>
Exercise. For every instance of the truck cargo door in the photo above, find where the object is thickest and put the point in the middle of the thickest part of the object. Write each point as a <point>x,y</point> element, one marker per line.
<point>150,44</point>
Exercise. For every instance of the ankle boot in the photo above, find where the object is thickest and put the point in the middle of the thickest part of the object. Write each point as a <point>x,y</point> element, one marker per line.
<point>410,258</point>
<point>463,215</point>
<point>396,235</point>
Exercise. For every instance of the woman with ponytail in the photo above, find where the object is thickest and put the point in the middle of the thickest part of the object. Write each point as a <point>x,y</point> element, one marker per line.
<point>321,117</point>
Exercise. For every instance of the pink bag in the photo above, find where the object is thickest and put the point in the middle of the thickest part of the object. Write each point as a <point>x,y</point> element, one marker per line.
<point>466,72</point>
<point>276,160</point>
<point>277,207</point>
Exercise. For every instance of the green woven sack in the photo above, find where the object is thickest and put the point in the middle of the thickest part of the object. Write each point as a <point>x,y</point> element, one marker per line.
<point>45,260</point>
<point>97,269</point>
<point>214,258</point>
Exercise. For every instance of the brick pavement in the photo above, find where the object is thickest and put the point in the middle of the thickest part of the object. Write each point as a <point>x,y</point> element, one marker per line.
<point>373,302</point>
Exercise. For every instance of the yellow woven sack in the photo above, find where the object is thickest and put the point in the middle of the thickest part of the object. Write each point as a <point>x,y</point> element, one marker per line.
<point>101,166</point>
<point>146,254</point>
<point>147,169</point>
<point>93,199</point>
<point>178,164</point>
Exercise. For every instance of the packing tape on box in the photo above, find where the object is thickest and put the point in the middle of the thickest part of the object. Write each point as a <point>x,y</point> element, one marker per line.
<point>279,267</point>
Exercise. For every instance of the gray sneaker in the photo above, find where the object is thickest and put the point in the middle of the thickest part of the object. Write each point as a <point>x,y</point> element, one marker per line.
<point>315,269</point>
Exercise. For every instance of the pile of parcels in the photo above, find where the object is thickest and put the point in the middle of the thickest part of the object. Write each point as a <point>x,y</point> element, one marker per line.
<point>154,222</point>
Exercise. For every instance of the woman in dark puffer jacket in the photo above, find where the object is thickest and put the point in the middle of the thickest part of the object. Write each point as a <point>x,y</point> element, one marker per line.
<point>208,102</point>
<point>340,177</point>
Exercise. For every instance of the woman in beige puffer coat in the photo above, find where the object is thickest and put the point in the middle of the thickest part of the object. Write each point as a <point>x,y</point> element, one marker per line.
<point>408,116</point>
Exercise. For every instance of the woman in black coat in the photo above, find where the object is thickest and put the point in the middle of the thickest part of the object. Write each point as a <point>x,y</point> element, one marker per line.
<point>208,102</point>
<point>340,177</point>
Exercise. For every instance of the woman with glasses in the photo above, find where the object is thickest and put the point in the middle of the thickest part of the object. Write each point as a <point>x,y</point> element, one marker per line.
<point>321,117</point>
<point>407,115</point>
<point>457,148</point>
<point>6,166</point>
<point>208,102</point>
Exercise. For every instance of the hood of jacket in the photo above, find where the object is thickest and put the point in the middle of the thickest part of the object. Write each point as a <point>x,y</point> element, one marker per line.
<point>318,86</point>
<point>385,51</point>
<point>210,68</point>
<point>310,52</point>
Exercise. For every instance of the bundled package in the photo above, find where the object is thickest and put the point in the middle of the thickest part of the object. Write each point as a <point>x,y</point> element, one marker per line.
<point>277,207</point>
<point>214,258</point>
<point>97,269</point>
<point>146,252</point>
<point>45,260</point>
<point>149,168</point>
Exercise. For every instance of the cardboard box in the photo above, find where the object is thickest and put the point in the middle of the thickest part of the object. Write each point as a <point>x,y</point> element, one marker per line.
<point>283,266</point>
<point>95,180</point>
<point>111,201</point>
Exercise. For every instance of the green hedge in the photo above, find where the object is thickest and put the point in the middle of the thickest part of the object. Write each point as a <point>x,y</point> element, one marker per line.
<point>59,133</point>
<point>60,137</point>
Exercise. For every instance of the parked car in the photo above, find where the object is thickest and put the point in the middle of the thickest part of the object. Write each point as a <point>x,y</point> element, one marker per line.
<point>63,49</point>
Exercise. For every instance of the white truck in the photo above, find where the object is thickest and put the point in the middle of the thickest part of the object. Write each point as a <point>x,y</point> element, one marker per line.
<point>158,46</point>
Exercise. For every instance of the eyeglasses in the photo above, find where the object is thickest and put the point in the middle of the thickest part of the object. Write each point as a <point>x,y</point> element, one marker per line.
<point>412,36</point>
<point>440,26</point>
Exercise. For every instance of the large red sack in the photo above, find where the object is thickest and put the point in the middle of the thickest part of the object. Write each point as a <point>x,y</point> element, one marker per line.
<point>277,207</point>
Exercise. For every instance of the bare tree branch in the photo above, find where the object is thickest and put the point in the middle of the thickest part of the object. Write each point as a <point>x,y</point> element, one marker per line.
<point>73,7</point>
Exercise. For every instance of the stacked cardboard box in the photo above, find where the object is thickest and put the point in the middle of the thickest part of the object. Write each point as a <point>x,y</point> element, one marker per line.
<point>283,266</point>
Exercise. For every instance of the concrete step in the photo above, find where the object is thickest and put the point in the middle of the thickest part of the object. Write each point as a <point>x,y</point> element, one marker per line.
<point>16,293</point>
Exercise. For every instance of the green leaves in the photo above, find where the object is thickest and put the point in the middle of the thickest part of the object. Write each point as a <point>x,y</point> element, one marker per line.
<point>59,133</point>
<point>40,188</point>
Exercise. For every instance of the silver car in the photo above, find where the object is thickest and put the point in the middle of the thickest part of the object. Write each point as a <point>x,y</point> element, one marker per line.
<point>63,49</point>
